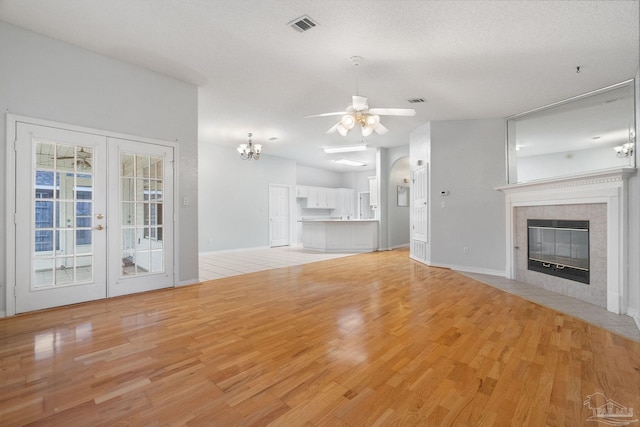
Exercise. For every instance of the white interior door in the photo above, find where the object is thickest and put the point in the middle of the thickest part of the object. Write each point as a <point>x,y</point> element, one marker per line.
<point>61,180</point>
<point>420,219</point>
<point>140,217</point>
<point>279,215</point>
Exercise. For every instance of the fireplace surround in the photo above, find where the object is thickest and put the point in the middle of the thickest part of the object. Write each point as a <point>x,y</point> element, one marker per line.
<point>567,198</point>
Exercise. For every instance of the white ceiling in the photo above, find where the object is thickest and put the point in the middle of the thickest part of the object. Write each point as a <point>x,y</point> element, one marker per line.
<point>468,59</point>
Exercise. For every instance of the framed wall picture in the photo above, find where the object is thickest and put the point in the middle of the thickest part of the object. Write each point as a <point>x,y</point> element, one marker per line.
<point>403,195</point>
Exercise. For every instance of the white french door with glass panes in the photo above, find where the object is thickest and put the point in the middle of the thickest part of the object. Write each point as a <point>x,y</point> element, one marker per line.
<point>141,217</point>
<point>93,216</point>
<point>60,226</point>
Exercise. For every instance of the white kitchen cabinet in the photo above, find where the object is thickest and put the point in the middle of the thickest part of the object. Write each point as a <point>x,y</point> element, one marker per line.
<point>344,203</point>
<point>302,191</point>
<point>330,198</point>
<point>321,198</point>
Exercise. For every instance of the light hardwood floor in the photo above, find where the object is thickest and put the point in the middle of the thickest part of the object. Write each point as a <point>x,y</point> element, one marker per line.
<point>371,339</point>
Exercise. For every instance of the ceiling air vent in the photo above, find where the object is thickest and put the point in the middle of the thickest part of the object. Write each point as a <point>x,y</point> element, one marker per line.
<point>302,24</point>
<point>416,100</point>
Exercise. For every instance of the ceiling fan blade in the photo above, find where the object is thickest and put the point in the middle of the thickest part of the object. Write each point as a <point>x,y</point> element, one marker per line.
<point>380,130</point>
<point>337,113</point>
<point>334,128</point>
<point>359,103</point>
<point>393,111</point>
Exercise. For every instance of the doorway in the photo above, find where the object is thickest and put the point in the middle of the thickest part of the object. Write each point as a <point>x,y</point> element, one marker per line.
<point>93,216</point>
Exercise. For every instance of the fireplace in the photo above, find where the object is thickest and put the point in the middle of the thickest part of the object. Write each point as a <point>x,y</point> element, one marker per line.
<point>559,248</point>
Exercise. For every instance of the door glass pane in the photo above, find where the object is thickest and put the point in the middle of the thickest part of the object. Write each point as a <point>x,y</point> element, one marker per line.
<point>62,215</point>
<point>64,270</point>
<point>156,167</point>
<point>127,165</point>
<point>84,268</point>
<point>127,191</point>
<point>45,156</point>
<point>44,272</point>
<point>142,166</point>
<point>83,242</point>
<point>44,214</point>
<point>141,189</point>
<point>128,239</point>
<point>156,262</point>
<point>65,157</point>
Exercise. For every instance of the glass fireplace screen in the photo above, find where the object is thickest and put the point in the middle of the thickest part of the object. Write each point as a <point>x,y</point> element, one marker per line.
<point>559,248</point>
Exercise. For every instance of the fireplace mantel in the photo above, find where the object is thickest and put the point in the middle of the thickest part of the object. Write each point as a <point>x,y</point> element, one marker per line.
<point>608,187</point>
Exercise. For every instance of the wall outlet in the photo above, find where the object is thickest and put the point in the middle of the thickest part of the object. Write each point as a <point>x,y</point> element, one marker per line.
<point>465,250</point>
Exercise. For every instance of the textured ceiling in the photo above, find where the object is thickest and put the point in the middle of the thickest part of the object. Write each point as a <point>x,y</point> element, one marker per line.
<point>468,59</point>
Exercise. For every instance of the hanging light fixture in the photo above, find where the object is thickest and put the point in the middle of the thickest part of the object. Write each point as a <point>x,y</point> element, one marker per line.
<point>359,113</point>
<point>624,150</point>
<point>250,151</point>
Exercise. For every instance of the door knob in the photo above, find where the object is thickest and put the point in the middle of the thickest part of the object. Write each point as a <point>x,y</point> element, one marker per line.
<point>99,216</point>
<point>99,227</point>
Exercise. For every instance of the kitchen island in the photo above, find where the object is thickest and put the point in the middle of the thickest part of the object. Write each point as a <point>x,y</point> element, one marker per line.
<point>335,235</point>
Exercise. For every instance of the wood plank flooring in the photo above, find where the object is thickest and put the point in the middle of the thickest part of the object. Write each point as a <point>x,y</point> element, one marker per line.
<point>367,340</point>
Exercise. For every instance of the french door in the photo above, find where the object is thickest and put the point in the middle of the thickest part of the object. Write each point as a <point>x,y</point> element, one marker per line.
<point>93,218</point>
<point>140,217</point>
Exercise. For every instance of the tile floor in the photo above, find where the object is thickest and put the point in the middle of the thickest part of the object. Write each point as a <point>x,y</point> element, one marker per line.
<point>619,324</point>
<point>217,265</point>
<point>232,263</point>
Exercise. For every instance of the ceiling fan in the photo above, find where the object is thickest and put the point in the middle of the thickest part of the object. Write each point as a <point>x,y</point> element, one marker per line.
<point>82,158</point>
<point>360,113</point>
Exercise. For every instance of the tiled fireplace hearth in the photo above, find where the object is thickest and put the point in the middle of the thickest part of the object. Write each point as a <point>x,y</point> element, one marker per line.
<point>599,198</point>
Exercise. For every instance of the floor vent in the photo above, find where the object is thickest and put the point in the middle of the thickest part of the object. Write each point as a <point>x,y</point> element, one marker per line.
<point>302,24</point>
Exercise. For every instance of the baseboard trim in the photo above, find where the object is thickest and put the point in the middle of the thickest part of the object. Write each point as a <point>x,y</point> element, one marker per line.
<point>635,315</point>
<point>405,245</point>
<point>188,282</point>
<point>467,269</point>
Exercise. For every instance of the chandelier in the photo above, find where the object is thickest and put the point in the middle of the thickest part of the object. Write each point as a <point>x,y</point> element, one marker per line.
<point>250,151</point>
<point>624,150</point>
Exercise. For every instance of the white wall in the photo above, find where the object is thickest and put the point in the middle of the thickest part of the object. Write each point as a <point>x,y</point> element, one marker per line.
<point>358,181</point>
<point>315,177</point>
<point>468,160</point>
<point>47,79</point>
<point>234,197</point>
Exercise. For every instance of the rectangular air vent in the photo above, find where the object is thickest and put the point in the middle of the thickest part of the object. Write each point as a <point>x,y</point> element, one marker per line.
<point>416,100</point>
<point>302,24</point>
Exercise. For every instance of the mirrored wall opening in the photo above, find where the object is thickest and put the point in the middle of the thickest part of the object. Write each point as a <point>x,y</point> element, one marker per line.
<point>588,133</point>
